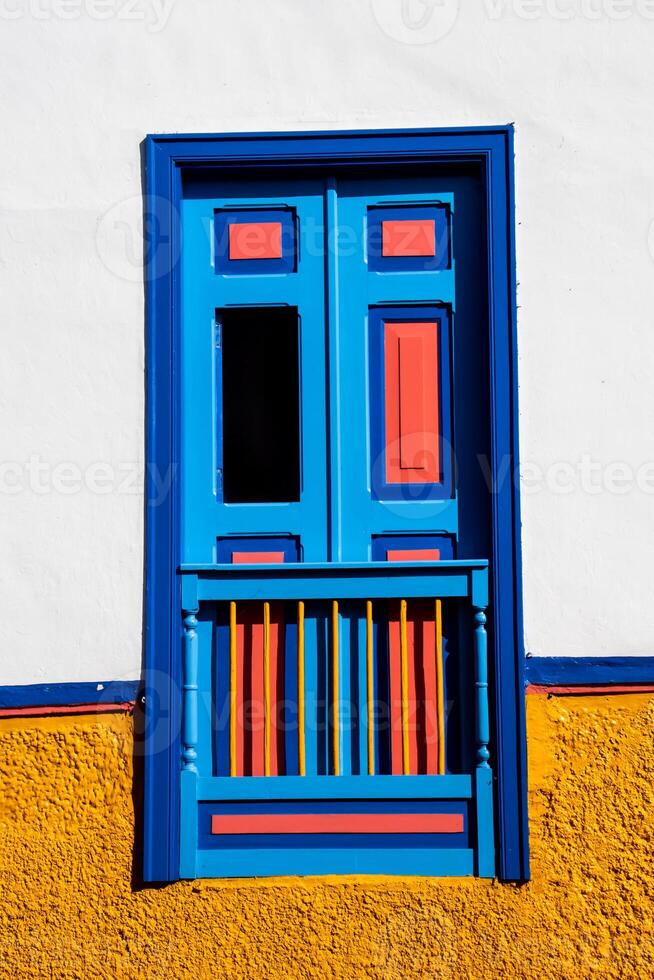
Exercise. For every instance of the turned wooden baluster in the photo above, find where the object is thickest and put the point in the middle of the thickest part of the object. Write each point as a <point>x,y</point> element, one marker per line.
<point>481,688</point>
<point>190,692</point>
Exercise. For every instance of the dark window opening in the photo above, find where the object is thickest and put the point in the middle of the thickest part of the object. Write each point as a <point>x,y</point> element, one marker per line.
<point>260,405</point>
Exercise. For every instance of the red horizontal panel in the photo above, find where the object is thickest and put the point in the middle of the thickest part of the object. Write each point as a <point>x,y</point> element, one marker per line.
<point>255,240</point>
<point>411,238</point>
<point>257,557</point>
<point>337,823</point>
<point>590,689</point>
<point>411,402</point>
<point>415,554</point>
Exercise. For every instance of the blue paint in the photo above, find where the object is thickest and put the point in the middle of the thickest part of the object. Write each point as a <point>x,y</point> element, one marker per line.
<point>167,160</point>
<point>347,787</point>
<point>425,861</point>
<point>377,262</point>
<point>409,492</point>
<point>585,671</point>
<point>343,580</point>
<point>68,694</point>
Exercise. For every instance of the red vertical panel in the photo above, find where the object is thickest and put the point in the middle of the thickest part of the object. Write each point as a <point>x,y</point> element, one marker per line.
<point>426,700</point>
<point>395,687</point>
<point>411,402</point>
<point>277,762</point>
<point>256,674</point>
<point>414,713</point>
<point>431,698</point>
<point>242,691</point>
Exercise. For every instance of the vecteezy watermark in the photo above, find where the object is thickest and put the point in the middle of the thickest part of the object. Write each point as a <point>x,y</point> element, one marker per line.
<point>67,478</point>
<point>584,475</point>
<point>562,10</point>
<point>427,21</point>
<point>416,21</point>
<point>154,14</point>
<point>135,236</point>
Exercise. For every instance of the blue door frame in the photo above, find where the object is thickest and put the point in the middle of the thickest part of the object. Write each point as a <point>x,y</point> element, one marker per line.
<point>168,160</point>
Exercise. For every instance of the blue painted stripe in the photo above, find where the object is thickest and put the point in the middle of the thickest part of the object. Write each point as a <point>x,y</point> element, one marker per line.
<point>261,862</point>
<point>68,694</point>
<point>334,787</point>
<point>580,671</point>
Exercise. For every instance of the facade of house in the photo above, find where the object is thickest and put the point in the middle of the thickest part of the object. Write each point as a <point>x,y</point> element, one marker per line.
<point>327,489</point>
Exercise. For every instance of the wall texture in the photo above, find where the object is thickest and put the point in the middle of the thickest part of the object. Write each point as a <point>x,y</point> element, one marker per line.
<point>71,905</point>
<point>85,80</point>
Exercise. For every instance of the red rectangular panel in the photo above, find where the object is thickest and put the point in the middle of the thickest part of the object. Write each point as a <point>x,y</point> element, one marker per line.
<point>337,823</point>
<point>255,240</point>
<point>411,402</point>
<point>257,557</point>
<point>402,239</point>
<point>415,554</point>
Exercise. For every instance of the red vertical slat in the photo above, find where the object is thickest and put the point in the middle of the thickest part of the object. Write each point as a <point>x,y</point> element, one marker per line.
<point>395,687</point>
<point>277,762</point>
<point>242,690</point>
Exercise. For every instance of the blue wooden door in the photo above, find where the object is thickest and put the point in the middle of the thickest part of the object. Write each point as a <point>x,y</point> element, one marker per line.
<point>318,441</point>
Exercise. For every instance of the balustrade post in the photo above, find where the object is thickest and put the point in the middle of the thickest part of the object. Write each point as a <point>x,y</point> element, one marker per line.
<point>481,688</point>
<point>190,692</point>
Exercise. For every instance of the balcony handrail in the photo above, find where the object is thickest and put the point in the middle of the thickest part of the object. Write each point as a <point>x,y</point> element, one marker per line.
<point>447,579</point>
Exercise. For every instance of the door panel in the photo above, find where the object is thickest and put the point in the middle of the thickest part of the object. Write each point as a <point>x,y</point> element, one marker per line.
<point>250,263</point>
<point>399,283</point>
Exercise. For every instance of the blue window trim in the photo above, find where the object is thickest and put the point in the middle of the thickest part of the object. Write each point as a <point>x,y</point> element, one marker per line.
<point>167,157</point>
<point>589,671</point>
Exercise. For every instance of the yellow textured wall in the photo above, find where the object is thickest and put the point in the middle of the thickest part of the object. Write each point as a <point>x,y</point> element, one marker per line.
<point>68,907</point>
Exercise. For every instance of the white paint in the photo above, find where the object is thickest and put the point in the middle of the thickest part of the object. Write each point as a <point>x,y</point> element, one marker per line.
<point>84,81</point>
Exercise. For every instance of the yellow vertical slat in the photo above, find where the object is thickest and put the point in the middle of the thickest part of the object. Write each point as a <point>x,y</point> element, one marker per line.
<point>336,687</point>
<point>440,689</point>
<point>404,688</point>
<point>300,689</point>
<point>232,688</point>
<point>266,688</point>
<point>370,690</point>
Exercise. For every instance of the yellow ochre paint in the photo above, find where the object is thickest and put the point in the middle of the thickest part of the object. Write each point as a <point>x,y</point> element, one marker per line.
<point>72,905</point>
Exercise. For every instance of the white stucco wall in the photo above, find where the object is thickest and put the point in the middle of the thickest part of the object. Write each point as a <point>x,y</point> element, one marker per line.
<point>84,80</point>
